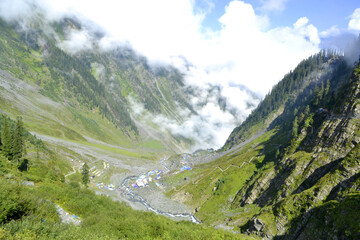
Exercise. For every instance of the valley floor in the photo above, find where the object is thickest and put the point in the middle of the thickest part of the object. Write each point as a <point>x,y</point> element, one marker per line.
<point>120,172</point>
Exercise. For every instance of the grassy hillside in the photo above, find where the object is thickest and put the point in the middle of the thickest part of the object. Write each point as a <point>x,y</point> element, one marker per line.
<point>29,200</point>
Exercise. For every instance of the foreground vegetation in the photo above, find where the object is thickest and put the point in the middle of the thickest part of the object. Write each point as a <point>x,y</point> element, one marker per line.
<point>30,213</point>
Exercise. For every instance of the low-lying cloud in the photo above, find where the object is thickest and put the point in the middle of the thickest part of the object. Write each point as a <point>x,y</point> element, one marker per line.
<point>243,59</point>
<point>244,51</point>
<point>77,41</point>
<point>213,121</point>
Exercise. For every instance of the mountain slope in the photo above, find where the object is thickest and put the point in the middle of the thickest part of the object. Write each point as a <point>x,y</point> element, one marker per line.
<point>308,72</point>
<point>90,85</point>
<point>303,170</point>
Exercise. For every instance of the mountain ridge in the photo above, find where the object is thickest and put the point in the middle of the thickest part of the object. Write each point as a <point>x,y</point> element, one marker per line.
<point>287,180</point>
<point>75,80</point>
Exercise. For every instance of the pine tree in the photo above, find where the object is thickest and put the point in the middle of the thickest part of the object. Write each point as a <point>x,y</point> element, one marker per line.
<point>316,99</point>
<point>321,92</point>
<point>295,127</point>
<point>85,174</point>
<point>296,111</point>
<point>277,154</point>
<point>6,139</point>
<point>24,166</point>
<point>327,89</point>
<point>18,148</point>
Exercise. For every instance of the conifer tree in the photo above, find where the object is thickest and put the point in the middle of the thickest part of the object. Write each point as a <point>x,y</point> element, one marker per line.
<point>327,89</point>
<point>18,148</point>
<point>295,127</point>
<point>24,166</point>
<point>277,154</point>
<point>321,92</point>
<point>85,174</point>
<point>315,100</point>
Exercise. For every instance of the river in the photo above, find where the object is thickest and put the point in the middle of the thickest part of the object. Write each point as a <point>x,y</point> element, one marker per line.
<point>134,197</point>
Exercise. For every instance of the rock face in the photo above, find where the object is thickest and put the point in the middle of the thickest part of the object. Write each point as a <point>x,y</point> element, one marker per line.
<point>28,183</point>
<point>66,217</point>
<point>256,225</point>
<point>311,188</point>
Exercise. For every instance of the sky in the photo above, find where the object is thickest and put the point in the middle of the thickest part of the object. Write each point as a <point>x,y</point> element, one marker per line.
<point>322,13</point>
<point>242,47</point>
<point>225,41</point>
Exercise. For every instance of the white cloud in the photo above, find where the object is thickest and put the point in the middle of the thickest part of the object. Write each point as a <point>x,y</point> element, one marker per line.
<point>14,9</point>
<point>331,32</point>
<point>77,41</point>
<point>354,23</point>
<point>208,129</point>
<point>242,53</point>
<point>273,5</point>
<point>301,22</point>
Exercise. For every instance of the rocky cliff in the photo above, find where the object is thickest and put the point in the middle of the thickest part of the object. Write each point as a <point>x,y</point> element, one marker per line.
<point>298,178</point>
<point>314,175</point>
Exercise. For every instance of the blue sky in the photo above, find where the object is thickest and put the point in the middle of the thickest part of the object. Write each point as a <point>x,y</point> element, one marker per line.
<point>323,14</point>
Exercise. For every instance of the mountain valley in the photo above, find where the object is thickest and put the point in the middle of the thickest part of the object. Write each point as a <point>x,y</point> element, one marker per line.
<point>101,137</point>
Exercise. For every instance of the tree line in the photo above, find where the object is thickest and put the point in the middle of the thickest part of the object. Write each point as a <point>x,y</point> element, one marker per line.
<point>12,142</point>
<point>73,77</point>
<point>300,80</point>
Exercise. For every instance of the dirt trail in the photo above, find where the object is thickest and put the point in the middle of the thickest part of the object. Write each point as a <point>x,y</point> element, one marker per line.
<point>70,173</point>
<point>66,217</point>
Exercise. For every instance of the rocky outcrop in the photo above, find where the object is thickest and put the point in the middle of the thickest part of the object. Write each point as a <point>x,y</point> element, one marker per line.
<point>318,170</point>
<point>256,225</point>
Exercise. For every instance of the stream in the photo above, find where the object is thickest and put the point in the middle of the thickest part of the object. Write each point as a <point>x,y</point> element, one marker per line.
<point>137,198</point>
